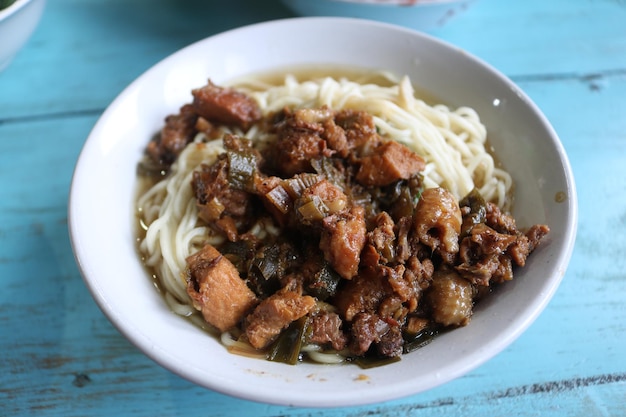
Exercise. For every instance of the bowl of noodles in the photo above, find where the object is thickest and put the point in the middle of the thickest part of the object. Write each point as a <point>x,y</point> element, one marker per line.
<point>347,212</point>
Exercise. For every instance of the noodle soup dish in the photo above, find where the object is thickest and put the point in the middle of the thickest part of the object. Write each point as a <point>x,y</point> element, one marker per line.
<point>333,219</point>
<point>353,220</point>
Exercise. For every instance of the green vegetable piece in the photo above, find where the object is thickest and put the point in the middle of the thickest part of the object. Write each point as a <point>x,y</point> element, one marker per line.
<point>369,362</point>
<point>286,348</point>
<point>478,211</point>
<point>402,196</point>
<point>295,186</point>
<point>239,253</point>
<point>324,166</point>
<point>264,270</point>
<point>323,284</point>
<point>241,169</point>
<point>311,210</point>
<point>280,198</point>
<point>419,340</point>
<point>269,265</point>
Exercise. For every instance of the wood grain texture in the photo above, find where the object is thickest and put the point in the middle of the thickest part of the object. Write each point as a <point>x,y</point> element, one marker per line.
<point>61,357</point>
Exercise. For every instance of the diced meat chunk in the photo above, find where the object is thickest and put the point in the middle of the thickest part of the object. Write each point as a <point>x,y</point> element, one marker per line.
<point>486,256</point>
<point>392,309</point>
<point>310,119</point>
<point>296,149</point>
<point>370,329</point>
<point>486,269</point>
<point>362,294</point>
<point>274,314</point>
<point>535,234</point>
<point>219,204</point>
<point>336,138</point>
<point>383,237</point>
<point>225,106</point>
<point>451,298</point>
<point>400,282</point>
<point>489,242</point>
<point>388,163</point>
<point>391,343</point>
<point>234,143</point>
<point>527,243</point>
<point>325,192</point>
<point>342,240</point>
<point>326,329</point>
<point>178,131</point>
<point>210,183</point>
<point>498,220</point>
<point>420,273</point>
<point>217,290</point>
<point>299,139</point>
<point>417,277</point>
<point>329,193</point>
<point>438,222</point>
<point>366,329</point>
<point>403,248</point>
<point>360,130</point>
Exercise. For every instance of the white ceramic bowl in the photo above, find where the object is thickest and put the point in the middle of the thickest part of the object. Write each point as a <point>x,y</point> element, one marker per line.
<point>103,188</point>
<point>17,24</point>
<point>416,14</point>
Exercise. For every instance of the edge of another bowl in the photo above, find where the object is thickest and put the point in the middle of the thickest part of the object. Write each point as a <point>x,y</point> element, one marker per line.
<point>17,24</point>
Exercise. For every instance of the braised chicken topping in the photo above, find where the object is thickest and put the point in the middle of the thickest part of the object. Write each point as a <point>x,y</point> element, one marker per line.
<point>330,230</point>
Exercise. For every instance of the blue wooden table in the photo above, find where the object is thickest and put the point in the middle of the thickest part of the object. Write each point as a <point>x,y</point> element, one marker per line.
<point>60,356</point>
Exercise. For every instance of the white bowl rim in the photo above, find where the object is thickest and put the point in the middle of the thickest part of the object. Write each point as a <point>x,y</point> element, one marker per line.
<point>13,8</point>
<point>265,392</point>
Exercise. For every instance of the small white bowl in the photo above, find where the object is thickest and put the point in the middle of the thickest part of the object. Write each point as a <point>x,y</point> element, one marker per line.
<point>17,24</point>
<point>416,14</point>
<point>102,196</point>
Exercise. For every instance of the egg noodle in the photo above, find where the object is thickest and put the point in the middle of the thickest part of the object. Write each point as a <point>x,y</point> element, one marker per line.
<point>452,142</point>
